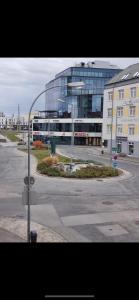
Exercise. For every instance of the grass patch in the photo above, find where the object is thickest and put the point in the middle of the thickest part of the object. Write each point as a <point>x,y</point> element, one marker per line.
<point>40,154</point>
<point>11,135</point>
<point>64,159</point>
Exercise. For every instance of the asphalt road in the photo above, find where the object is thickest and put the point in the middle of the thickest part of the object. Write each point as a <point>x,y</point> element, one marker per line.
<point>80,210</point>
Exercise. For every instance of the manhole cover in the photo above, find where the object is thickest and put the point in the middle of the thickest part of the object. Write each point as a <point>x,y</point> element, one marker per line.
<point>137,222</point>
<point>107,202</point>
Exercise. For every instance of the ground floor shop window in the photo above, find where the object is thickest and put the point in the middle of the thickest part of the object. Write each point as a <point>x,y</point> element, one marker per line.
<point>88,141</point>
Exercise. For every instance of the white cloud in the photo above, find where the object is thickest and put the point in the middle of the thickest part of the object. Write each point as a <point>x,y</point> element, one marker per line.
<point>21,79</point>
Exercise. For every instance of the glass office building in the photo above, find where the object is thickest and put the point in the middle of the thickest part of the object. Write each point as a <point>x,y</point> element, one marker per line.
<point>86,104</point>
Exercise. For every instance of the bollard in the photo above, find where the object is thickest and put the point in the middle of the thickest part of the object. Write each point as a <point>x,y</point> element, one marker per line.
<point>33,236</point>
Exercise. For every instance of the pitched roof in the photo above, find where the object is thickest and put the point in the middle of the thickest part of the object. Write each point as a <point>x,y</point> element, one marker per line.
<point>131,72</point>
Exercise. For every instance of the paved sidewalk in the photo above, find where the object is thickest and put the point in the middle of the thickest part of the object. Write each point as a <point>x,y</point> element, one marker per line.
<point>15,230</point>
<point>9,237</point>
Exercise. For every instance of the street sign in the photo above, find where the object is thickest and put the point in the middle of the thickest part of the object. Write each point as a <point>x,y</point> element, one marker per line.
<point>33,197</point>
<point>114,163</point>
<point>121,138</point>
<point>32,180</point>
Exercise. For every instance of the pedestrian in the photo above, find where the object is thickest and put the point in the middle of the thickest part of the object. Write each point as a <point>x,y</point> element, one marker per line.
<point>102,151</point>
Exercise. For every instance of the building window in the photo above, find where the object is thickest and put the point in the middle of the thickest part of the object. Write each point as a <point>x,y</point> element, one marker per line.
<point>131,129</point>
<point>119,129</point>
<point>136,74</point>
<point>110,96</point>
<point>121,94</point>
<point>119,111</point>
<point>125,76</point>
<point>132,111</point>
<point>109,112</point>
<point>109,129</point>
<point>133,92</point>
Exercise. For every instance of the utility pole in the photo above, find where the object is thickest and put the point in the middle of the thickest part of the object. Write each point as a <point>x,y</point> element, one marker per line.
<point>12,123</point>
<point>111,126</point>
<point>18,128</point>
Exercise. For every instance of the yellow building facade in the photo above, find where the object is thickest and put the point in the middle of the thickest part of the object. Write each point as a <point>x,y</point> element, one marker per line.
<point>121,112</point>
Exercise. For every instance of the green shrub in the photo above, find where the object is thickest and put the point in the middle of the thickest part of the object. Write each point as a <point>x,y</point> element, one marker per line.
<point>88,172</point>
<point>53,172</point>
<point>42,168</point>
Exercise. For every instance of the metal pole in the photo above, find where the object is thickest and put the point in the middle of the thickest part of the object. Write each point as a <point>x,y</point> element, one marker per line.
<point>48,125</point>
<point>116,129</point>
<point>72,137</point>
<point>111,128</point>
<point>28,186</point>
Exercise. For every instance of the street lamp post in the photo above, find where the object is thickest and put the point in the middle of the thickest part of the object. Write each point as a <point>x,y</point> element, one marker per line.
<point>74,84</point>
<point>111,127</point>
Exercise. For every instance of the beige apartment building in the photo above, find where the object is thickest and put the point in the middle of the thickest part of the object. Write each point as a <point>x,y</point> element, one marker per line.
<point>121,112</point>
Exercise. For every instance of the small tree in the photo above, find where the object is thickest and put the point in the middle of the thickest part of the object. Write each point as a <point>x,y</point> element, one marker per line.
<point>38,144</point>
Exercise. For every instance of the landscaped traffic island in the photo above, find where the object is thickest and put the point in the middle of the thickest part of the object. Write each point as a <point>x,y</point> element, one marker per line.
<point>51,166</point>
<point>61,166</point>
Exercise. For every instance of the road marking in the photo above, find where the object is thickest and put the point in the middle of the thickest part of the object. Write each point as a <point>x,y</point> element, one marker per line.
<point>98,218</point>
<point>46,215</point>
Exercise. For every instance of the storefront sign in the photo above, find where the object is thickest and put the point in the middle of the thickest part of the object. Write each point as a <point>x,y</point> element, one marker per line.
<point>122,138</point>
<point>81,134</point>
<point>36,133</point>
<point>78,121</point>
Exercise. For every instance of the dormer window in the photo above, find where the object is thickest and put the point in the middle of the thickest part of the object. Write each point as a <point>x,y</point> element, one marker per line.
<point>136,74</point>
<point>124,77</point>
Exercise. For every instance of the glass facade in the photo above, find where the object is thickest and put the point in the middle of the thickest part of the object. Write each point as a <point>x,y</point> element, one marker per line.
<point>67,127</point>
<point>86,102</point>
<point>79,103</point>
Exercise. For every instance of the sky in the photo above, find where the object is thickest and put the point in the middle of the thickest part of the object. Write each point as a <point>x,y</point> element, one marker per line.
<point>22,79</point>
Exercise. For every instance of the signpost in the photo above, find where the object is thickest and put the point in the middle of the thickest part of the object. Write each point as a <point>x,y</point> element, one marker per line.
<point>114,163</point>
<point>33,197</point>
<point>33,194</point>
<point>32,180</point>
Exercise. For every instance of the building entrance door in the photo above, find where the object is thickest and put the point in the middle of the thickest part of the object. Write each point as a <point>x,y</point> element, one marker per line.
<point>119,147</point>
<point>131,148</point>
<point>80,141</point>
<point>96,141</point>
